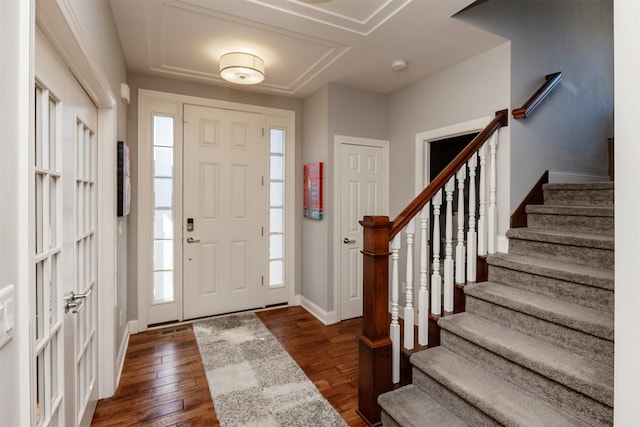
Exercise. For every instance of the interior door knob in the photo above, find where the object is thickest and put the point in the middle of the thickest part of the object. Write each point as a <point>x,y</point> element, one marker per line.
<point>347,241</point>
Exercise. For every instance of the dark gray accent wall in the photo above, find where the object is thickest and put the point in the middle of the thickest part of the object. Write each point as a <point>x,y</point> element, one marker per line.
<point>569,131</point>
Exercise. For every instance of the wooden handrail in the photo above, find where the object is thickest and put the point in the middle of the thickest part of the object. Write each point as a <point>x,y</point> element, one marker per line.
<point>551,81</point>
<point>501,119</point>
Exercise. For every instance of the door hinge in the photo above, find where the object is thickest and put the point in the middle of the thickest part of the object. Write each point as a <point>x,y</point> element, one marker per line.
<point>262,131</point>
<point>262,280</point>
<point>262,231</point>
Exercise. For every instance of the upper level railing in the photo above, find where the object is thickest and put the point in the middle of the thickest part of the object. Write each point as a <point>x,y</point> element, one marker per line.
<point>551,81</point>
<point>380,341</point>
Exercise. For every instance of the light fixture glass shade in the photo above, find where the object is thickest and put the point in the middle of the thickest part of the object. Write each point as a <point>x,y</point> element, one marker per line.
<point>241,68</point>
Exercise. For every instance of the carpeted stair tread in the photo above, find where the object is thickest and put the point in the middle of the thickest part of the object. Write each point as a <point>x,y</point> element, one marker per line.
<point>587,240</point>
<point>596,277</point>
<point>605,211</point>
<point>574,316</point>
<point>607,185</point>
<point>410,406</point>
<point>500,400</point>
<point>584,375</point>
<point>592,194</point>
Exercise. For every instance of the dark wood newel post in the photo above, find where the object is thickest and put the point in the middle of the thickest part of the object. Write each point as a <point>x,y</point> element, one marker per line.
<point>375,344</point>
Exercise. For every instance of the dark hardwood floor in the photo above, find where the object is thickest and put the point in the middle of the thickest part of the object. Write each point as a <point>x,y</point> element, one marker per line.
<point>163,381</point>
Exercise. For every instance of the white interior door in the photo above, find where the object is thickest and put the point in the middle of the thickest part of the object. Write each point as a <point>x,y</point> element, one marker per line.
<point>363,191</point>
<point>225,211</point>
<point>64,349</point>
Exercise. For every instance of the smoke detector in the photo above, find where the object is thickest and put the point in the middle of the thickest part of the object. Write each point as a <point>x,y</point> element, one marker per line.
<point>399,65</point>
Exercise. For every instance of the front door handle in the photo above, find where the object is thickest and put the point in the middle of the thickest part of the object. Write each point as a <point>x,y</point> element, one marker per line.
<point>192,240</point>
<point>347,241</point>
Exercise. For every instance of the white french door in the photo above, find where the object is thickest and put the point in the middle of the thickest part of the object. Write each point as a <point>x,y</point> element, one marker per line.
<point>63,195</point>
<point>225,211</point>
<point>363,190</point>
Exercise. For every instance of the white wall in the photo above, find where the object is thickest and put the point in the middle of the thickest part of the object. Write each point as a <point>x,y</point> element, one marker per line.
<point>627,153</point>
<point>16,86</point>
<point>315,233</point>
<point>473,89</point>
<point>569,131</point>
<point>332,110</point>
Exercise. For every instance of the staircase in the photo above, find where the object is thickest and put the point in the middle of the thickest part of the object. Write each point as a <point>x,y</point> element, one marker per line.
<point>535,345</point>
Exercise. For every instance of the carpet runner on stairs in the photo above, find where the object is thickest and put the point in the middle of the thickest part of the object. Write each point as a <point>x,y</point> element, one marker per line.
<point>535,345</point>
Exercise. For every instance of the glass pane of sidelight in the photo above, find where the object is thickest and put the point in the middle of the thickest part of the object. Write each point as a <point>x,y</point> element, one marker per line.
<point>277,168</point>
<point>163,192</point>
<point>277,141</point>
<point>276,221</point>
<point>163,131</point>
<point>277,193</point>
<point>163,224</point>
<point>276,246</point>
<point>163,255</point>
<point>162,286</point>
<point>163,161</point>
<point>276,273</point>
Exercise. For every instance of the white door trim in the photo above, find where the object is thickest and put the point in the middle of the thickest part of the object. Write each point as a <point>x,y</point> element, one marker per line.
<point>274,117</point>
<point>62,28</point>
<point>338,140</point>
<point>422,138</point>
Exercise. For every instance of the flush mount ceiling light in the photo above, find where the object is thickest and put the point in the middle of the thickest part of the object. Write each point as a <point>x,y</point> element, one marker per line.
<point>241,68</point>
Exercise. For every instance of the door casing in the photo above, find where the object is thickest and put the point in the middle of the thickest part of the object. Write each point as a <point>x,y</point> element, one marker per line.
<point>274,118</point>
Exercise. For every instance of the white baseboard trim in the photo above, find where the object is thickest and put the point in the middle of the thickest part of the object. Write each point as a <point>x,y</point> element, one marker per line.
<point>502,244</point>
<point>133,327</point>
<point>326,317</point>
<point>294,300</point>
<point>122,352</point>
<point>569,177</point>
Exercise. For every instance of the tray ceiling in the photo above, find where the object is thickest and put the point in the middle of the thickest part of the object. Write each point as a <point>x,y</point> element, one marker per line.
<point>304,44</point>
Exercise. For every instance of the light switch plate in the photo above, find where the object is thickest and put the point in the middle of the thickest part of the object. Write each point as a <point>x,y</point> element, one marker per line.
<point>7,314</point>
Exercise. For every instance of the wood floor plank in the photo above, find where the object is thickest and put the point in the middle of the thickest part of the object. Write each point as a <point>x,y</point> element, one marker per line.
<point>163,381</point>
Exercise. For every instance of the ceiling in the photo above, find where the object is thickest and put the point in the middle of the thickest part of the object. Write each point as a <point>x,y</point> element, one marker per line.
<point>305,44</point>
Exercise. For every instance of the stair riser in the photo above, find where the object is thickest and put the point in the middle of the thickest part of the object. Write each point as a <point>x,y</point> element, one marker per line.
<point>587,345</point>
<point>567,197</point>
<point>454,403</point>
<point>588,296</point>
<point>591,411</point>
<point>593,257</point>
<point>388,421</point>
<point>584,224</point>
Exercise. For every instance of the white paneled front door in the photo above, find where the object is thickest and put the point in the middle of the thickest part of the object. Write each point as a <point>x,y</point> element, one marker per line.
<point>363,191</point>
<point>64,343</point>
<point>225,211</point>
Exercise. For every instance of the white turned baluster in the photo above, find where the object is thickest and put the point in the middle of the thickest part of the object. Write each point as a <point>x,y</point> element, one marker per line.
<point>471,233</point>
<point>448,248</point>
<point>394,329</point>
<point>482,192</point>
<point>423,293</point>
<point>409,311</point>
<point>492,214</point>
<point>436,278</point>
<point>460,272</point>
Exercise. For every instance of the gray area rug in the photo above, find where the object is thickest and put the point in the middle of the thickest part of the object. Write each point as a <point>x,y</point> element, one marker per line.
<point>252,378</point>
